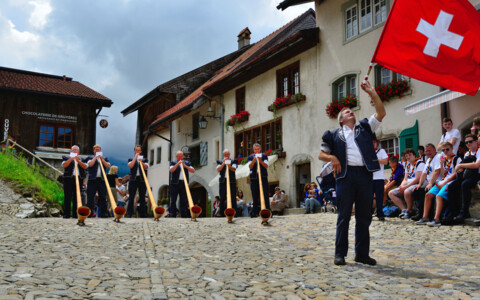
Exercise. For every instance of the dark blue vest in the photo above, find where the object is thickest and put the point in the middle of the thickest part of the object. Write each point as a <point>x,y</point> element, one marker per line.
<point>92,171</point>
<point>253,171</point>
<point>174,177</point>
<point>133,170</point>
<point>69,171</point>
<point>231,173</point>
<point>335,141</point>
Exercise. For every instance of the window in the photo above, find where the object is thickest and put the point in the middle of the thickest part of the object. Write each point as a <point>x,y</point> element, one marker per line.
<point>268,135</point>
<point>159,155</point>
<point>365,14</point>
<point>384,75</point>
<point>391,146</point>
<point>195,127</point>
<point>345,86</point>
<point>288,80</point>
<point>152,157</point>
<point>55,136</point>
<point>239,100</point>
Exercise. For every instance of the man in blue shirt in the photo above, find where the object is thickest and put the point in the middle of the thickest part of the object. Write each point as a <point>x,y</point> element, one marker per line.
<point>350,149</point>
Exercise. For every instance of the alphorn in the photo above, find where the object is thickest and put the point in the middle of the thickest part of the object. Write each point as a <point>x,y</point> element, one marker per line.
<point>265,213</point>
<point>118,211</point>
<point>229,212</point>
<point>195,210</point>
<point>82,211</point>
<point>158,211</point>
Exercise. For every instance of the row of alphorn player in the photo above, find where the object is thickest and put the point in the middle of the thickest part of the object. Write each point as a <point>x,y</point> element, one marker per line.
<point>98,183</point>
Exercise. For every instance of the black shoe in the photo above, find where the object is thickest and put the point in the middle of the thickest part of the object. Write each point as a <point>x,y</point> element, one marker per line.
<point>447,222</point>
<point>460,219</point>
<point>66,217</point>
<point>339,261</point>
<point>365,260</point>
<point>416,217</point>
<point>381,219</point>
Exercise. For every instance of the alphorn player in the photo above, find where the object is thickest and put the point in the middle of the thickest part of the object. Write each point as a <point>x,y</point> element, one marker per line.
<point>262,158</point>
<point>177,186</point>
<point>96,182</point>
<point>137,182</point>
<point>69,188</point>
<point>222,166</point>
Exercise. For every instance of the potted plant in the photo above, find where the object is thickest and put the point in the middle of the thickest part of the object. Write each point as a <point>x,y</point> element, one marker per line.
<point>285,101</point>
<point>334,107</point>
<point>236,119</point>
<point>395,88</point>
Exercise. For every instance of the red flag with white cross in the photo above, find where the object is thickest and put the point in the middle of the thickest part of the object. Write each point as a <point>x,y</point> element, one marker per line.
<point>436,41</point>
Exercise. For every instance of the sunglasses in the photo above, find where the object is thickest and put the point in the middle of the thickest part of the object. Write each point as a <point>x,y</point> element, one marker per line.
<point>446,149</point>
<point>469,142</point>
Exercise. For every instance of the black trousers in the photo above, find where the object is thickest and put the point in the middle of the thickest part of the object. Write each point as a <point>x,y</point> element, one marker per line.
<point>69,191</point>
<point>97,185</point>
<point>255,187</point>
<point>177,189</point>
<point>132,190</point>
<point>223,197</point>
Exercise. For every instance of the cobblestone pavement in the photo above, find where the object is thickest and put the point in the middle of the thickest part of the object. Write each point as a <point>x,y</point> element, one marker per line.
<point>210,259</point>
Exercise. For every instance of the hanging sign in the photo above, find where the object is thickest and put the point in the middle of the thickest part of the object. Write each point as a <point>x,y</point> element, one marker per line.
<point>103,123</point>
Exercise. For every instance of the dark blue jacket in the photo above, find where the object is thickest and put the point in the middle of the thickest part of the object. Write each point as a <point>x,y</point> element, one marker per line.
<point>253,171</point>
<point>92,171</point>
<point>335,141</point>
<point>133,170</point>
<point>69,171</point>
<point>174,177</point>
<point>231,173</point>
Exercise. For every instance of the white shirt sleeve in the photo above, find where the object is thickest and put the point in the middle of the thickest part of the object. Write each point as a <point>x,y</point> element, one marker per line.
<point>374,123</point>
<point>382,154</point>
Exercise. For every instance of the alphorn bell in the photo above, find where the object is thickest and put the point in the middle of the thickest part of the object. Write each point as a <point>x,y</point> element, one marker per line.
<point>265,213</point>
<point>158,211</point>
<point>195,210</point>
<point>118,211</point>
<point>82,211</point>
<point>229,212</point>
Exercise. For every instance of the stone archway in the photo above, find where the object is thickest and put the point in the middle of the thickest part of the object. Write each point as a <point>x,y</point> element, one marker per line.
<point>163,198</point>
<point>201,192</point>
<point>301,173</point>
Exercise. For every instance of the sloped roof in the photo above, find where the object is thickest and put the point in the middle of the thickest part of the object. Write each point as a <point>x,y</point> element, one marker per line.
<point>62,86</point>
<point>256,51</point>
<point>287,3</point>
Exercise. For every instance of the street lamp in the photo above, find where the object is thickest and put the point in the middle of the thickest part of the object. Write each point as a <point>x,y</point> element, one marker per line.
<point>202,123</point>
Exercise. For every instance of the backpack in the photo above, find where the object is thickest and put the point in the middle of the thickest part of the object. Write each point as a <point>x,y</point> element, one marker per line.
<point>391,211</point>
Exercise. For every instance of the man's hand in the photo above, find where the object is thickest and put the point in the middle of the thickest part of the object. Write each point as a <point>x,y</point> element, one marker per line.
<point>337,168</point>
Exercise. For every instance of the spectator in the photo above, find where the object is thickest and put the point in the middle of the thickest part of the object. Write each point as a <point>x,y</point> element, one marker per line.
<point>411,179</point>
<point>379,179</point>
<point>475,130</point>
<point>241,204</point>
<point>121,193</point>
<point>452,135</point>
<point>421,153</point>
<point>462,149</point>
<point>396,177</point>
<point>471,165</point>
<point>404,161</point>
<point>313,199</point>
<point>113,182</point>
<point>430,175</point>
<point>216,206</point>
<point>279,202</point>
<point>448,163</point>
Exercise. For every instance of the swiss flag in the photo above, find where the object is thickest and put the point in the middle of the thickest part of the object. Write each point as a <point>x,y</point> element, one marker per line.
<point>436,41</point>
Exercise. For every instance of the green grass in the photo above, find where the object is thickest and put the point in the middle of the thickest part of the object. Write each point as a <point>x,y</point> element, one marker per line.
<point>29,177</point>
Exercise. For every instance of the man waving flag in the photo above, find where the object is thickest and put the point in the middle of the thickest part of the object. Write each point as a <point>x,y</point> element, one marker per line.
<point>436,41</point>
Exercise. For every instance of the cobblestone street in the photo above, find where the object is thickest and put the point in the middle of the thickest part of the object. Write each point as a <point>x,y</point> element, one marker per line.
<point>210,259</point>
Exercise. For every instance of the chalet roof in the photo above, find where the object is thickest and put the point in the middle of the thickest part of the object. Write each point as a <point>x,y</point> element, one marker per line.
<point>185,84</point>
<point>257,51</point>
<point>61,86</point>
<point>287,3</point>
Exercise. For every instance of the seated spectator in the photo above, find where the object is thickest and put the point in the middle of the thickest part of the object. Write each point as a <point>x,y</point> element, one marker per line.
<point>421,153</point>
<point>216,207</point>
<point>475,130</point>
<point>313,199</point>
<point>462,149</point>
<point>121,193</point>
<point>404,161</point>
<point>396,177</point>
<point>451,135</point>
<point>279,202</point>
<point>470,164</point>
<point>411,179</point>
<point>241,204</point>
<point>430,175</point>
<point>448,163</point>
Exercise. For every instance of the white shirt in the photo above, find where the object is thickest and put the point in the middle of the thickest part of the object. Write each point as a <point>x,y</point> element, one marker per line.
<point>120,188</point>
<point>181,173</point>
<point>411,175</point>
<point>354,156</point>
<point>454,133</point>
<point>379,175</point>
<point>432,165</point>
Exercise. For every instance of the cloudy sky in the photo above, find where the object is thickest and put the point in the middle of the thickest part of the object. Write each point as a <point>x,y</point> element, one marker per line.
<point>125,48</point>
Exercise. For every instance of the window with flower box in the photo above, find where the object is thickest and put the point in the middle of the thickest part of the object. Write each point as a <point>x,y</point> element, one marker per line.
<point>288,80</point>
<point>344,86</point>
<point>390,84</point>
<point>268,135</point>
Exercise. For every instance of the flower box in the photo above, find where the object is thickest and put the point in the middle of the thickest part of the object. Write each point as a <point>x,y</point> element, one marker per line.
<point>237,118</point>
<point>334,107</point>
<point>285,101</point>
<point>395,88</point>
